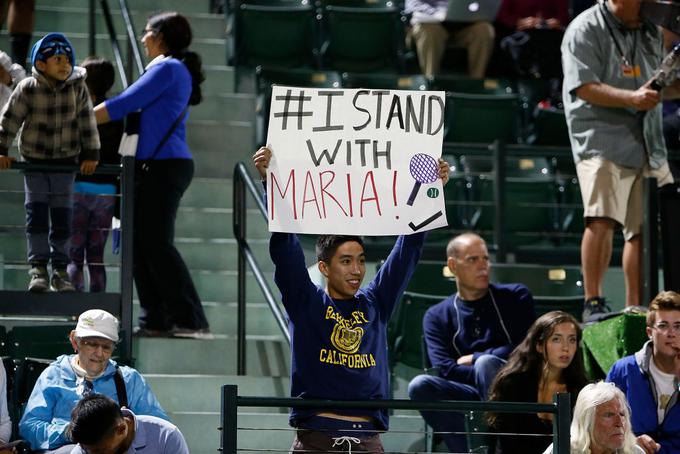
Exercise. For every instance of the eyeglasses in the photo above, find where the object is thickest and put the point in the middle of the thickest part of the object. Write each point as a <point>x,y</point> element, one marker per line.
<point>665,327</point>
<point>93,345</point>
<point>147,30</point>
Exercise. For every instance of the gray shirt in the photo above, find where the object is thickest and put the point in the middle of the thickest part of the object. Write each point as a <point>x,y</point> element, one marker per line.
<point>152,436</point>
<point>590,55</point>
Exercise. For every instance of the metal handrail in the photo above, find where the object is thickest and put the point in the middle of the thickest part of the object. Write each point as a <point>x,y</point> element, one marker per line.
<point>243,185</point>
<point>72,304</point>
<point>561,408</point>
<point>125,76</point>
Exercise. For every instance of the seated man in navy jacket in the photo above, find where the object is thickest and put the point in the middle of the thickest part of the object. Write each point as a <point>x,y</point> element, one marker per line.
<point>649,378</point>
<point>469,335</point>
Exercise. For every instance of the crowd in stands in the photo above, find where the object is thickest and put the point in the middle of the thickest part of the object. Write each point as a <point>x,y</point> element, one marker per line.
<point>484,341</point>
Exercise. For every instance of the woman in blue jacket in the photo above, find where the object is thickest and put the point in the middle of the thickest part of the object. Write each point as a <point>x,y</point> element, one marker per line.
<point>163,171</point>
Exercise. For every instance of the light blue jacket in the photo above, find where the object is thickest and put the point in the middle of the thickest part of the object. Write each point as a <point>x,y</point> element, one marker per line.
<point>56,392</point>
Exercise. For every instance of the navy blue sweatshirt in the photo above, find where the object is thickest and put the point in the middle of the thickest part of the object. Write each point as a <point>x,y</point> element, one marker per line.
<point>474,327</point>
<point>339,347</point>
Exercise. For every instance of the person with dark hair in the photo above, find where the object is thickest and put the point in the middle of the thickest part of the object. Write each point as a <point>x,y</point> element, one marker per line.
<point>94,196</point>
<point>469,335</point>
<point>71,377</point>
<point>339,333</point>
<point>163,171</point>
<point>649,378</point>
<point>548,361</point>
<point>100,426</point>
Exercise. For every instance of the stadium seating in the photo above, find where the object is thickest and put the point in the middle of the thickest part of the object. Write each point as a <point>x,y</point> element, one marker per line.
<point>481,118</point>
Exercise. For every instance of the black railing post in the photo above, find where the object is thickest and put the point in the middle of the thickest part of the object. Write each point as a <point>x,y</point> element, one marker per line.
<point>239,206</point>
<point>561,424</point>
<point>499,151</point>
<point>650,239</point>
<point>92,38</point>
<point>114,43</point>
<point>126,251</point>
<point>134,55</point>
<point>229,419</point>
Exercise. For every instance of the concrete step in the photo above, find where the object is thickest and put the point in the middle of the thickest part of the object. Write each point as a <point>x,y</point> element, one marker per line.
<point>193,6</point>
<point>201,392</point>
<point>217,222</point>
<point>214,254</point>
<point>212,50</point>
<point>267,356</point>
<point>75,19</point>
<point>225,107</point>
<point>235,138</point>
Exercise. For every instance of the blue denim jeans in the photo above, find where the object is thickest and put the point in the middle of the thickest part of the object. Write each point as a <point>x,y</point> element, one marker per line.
<point>429,387</point>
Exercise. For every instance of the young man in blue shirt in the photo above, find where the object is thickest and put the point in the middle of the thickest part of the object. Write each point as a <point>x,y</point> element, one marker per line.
<point>338,334</point>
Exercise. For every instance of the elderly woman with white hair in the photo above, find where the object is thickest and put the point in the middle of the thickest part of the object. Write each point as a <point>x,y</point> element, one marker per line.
<point>601,422</point>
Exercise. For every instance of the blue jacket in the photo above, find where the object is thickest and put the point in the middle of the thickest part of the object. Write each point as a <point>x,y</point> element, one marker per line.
<point>631,375</point>
<point>162,93</point>
<point>477,328</point>
<point>56,392</point>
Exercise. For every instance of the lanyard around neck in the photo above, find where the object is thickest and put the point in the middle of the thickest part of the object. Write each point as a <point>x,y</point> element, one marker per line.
<point>619,49</point>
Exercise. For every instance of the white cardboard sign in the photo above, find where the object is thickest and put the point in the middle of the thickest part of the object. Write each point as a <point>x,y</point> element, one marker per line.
<point>355,161</point>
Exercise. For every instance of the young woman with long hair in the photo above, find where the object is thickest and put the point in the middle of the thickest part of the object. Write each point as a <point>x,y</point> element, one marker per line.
<point>548,361</point>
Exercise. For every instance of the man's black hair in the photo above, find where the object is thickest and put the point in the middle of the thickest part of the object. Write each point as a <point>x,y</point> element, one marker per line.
<point>93,419</point>
<point>326,245</point>
<point>100,76</point>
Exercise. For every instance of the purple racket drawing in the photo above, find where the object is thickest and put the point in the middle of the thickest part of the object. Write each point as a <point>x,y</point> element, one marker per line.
<point>424,169</point>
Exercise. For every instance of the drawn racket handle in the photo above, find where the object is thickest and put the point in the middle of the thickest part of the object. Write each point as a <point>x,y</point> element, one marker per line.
<point>424,169</point>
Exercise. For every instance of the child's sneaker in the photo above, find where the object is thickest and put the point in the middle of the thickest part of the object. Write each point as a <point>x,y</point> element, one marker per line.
<point>38,283</point>
<point>60,281</point>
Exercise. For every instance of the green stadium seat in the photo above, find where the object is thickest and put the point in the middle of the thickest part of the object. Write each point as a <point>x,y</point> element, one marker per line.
<point>4,347</point>
<point>27,373</point>
<point>405,336</point>
<point>530,198</point>
<point>481,118</point>
<point>385,81</point>
<point>362,39</point>
<point>553,287</point>
<point>469,85</point>
<point>42,341</point>
<point>266,77</point>
<point>280,35</point>
<point>550,127</point>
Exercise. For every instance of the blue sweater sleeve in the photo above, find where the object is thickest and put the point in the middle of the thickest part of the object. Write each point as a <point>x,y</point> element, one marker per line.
<point>141,399</point>
<point>143,92</point>
<point>290,274</point>
<point>389,284</point>
<point>440,348</point>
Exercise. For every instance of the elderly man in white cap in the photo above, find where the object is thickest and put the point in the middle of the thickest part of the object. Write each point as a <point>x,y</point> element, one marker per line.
<point>71,377</point>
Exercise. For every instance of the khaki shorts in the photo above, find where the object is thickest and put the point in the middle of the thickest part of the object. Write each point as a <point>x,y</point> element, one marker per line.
<point>611,191</point>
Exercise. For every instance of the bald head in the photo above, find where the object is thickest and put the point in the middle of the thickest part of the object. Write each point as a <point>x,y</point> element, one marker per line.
<point>459,243</point>
<point>468,260</point>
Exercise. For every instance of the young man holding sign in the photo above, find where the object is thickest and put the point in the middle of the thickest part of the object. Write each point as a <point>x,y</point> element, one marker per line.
<point>339,345</point>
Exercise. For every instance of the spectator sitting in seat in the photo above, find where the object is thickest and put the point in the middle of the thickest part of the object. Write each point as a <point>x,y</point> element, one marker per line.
<point>649,378</point>
<point>10,75</point>
<point>469,335</point>
<point>71,377</point>
<point>548,361</point>
<point>99,425</point>
<point>432,34</point>
<point>601,422</point>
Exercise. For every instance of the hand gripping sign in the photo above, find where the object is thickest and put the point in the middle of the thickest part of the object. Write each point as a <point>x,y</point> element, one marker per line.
<point>354,161</point>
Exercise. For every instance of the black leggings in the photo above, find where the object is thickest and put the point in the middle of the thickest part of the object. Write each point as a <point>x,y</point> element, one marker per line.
<point>166,292</point>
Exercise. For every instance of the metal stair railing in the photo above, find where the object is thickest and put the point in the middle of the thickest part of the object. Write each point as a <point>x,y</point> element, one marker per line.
<point>231,401</point>
<point>72,304</point>
<point>244,185</point>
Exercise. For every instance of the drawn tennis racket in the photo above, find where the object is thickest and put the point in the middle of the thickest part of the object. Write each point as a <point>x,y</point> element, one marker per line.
<point>424,169</point>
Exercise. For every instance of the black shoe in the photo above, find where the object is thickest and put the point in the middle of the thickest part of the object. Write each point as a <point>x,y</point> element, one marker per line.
<point>594,308</point>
